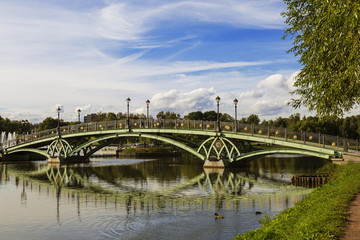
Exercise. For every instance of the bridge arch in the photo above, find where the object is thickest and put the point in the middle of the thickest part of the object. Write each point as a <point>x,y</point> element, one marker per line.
<point>280,151</point>
<point>27,150</point>
<point>125,135</point>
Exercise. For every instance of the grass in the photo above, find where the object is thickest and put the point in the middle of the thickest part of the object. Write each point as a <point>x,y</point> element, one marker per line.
<point>321,215</point>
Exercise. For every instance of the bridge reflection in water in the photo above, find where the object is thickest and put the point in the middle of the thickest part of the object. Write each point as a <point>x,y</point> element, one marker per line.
<point>219,189</point>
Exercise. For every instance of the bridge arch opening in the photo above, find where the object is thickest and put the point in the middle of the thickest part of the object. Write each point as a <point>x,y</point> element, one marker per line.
<point>137,135</point>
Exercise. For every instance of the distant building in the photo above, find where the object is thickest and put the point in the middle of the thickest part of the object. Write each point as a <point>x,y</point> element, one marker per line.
<point>90,118</point>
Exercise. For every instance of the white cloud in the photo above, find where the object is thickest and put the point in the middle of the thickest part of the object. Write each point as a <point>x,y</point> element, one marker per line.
<point>269,97</point>
<point>181,75</point>
<point>291,80</point>
<point>275,81</point>
<point>183,102</point>
<point>268,108</point>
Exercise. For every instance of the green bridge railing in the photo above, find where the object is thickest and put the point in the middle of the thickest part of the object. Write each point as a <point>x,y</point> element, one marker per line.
<point>323,140</point>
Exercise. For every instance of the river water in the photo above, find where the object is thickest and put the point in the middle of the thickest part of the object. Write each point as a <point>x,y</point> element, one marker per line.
<point>164,198</point>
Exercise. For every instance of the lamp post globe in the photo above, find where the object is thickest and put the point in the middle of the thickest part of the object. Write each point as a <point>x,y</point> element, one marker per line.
<point>217,99</point>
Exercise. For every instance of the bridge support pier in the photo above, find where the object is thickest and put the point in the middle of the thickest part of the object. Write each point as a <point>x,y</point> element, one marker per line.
<point>223,163</point>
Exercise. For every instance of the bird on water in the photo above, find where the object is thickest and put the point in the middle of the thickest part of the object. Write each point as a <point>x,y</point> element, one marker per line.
<point>218,216</point>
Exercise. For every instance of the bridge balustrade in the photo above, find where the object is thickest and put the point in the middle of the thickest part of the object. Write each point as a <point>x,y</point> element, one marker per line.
<point>324,140</point>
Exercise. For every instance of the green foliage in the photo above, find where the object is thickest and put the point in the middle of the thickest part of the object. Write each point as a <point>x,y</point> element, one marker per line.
<point>326,37</point>
<point>198,115</point>
<point>110,116</point>
<point>210,116</point>
<point>48,123</point>
<point>167,115</point>
<point>320,215</point>
<point>252,119</point>
<point>266,219</point>
<point>226,118</point>
<point>7,125</point>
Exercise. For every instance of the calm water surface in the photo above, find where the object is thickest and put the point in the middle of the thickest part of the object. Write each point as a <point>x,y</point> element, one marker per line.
<point>166,198</point>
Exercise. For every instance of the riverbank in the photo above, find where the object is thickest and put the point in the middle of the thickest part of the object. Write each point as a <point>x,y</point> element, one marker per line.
<point>133,152</point>
<point>148,152</point>
<point>321,215</point>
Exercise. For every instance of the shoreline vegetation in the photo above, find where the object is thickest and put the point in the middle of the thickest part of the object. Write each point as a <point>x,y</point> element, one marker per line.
<point>320,215</point>
<point>148,152</point>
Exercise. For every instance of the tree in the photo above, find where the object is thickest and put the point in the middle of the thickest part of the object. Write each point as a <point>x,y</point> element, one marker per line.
<point>167,115</point>
<point>226,118</point>
<point>326,37</point>
<point>194,116</point>
<point>210,116</point>
<point>280,122</point>
<point>110,116</point>
<point>48,123</point>
<point>253,118</point>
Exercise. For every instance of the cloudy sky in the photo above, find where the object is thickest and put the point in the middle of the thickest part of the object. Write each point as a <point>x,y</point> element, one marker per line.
<point>178,54</point>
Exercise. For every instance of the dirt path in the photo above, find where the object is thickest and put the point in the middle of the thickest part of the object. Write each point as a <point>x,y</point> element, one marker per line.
<point>352,230</point>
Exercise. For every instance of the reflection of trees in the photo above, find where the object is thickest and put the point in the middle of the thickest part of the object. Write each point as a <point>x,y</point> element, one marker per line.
<point>295,165</point>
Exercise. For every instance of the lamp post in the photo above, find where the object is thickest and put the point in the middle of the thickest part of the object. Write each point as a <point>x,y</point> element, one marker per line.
<point>147,112</point>
<point>235,103</point>
<point>24,127</point>
<point>58,127</point>
<point>217,115</point>
<point>78,111</point>
<point>128,100</point>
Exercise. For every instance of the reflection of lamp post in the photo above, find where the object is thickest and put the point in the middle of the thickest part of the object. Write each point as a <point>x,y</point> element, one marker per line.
<point>128,100</point>
<point>58,127</point>
<point>217,115</point>
<point>235,103</point>
<point>79,111</point>
<point>147,112</point>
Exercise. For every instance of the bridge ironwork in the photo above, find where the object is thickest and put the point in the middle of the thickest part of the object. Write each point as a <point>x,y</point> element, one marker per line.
<point>85,139</point>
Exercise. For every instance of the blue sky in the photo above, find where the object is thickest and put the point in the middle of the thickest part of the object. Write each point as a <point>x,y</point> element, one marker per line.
<point>178,54</point>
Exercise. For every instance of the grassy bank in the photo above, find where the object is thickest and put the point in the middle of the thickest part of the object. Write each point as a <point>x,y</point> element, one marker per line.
<point>320,215</point>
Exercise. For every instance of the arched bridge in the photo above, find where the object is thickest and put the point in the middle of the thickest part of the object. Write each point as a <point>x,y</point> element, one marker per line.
<point>217,143</point>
